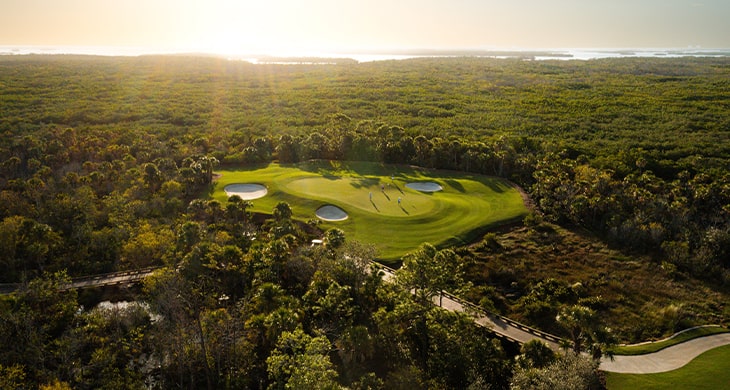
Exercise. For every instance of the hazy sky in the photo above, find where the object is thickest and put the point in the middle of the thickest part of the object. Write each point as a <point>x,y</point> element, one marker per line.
<point>327,25</point>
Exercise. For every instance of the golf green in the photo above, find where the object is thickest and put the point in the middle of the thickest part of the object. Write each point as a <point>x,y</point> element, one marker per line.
<point>381,209</point>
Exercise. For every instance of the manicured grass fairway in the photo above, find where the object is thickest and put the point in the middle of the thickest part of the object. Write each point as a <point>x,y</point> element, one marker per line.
<point>711,370</point>
<point>467,207</point>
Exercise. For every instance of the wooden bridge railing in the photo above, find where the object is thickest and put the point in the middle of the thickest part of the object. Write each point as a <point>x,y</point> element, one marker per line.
<point>134,276</point>
<point>493,316</point>
<point>90,281</point>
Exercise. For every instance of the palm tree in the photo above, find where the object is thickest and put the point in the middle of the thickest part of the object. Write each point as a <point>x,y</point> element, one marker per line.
<point>204,166</point>
<point>585,331</point>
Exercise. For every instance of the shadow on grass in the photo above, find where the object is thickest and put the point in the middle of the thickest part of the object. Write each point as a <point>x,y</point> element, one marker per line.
<point>398,188</point>
<point>329,176</point>
<point>374,205</point>
<point>404,210</point>
<point>323,168</point>
<point>497,186</point>
<point>364,182</point>
<point>455,185</point>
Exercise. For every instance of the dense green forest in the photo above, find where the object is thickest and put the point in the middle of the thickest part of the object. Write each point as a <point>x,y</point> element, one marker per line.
<point>106,164</point>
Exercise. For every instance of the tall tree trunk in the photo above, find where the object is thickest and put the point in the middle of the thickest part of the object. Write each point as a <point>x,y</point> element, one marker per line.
<point>203,347</point>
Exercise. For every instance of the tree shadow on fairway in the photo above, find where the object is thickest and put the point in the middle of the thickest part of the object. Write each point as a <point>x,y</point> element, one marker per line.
<point>332,177</point>
<point>455,185</point>
<point>364,182</point>
<point>366,168</point>
<point>497,186</point>
<point>326,169</point>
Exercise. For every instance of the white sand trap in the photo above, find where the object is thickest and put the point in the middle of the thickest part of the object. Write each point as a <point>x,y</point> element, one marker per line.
<point>246,191</point>
<point>427,186</point>
<point>331,213</point>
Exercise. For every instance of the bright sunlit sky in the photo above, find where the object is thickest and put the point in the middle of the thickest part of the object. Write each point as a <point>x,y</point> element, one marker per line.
<point>298,26</point>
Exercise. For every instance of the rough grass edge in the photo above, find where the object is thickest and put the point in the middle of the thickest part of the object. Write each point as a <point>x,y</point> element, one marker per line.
<point>677,338</point>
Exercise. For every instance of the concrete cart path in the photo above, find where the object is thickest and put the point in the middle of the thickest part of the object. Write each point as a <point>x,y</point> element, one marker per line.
<point>667,359</point>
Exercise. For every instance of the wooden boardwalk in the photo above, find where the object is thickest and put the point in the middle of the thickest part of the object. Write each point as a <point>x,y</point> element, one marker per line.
<point>501,326</point>
<point>101,280</point>
<point>665,360</point>
<point>110,279</point>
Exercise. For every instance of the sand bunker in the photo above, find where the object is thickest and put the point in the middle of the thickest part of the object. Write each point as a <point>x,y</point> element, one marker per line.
<point>246,191</point>
<point>425,186</point>
<point>331,213</point>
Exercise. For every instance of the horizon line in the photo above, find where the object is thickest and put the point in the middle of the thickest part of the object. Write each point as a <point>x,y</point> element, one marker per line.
<point>373,54</point>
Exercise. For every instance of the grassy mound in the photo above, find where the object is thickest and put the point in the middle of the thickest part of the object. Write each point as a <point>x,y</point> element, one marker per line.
<point>383,211</point>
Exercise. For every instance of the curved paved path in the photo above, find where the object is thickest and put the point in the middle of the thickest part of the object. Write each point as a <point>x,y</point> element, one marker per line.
<point>667,359</point>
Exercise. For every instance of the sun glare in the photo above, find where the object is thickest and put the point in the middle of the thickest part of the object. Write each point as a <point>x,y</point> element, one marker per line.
<point>232,42</point>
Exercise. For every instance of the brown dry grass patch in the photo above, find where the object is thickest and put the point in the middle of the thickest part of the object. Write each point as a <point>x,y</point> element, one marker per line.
<point>635,296</point>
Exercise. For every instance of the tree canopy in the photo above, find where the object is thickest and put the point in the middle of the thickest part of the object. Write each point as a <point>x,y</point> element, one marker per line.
<point>106,164</point>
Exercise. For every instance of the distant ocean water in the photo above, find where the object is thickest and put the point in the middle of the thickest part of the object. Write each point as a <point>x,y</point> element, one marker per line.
<point>541,54</point>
